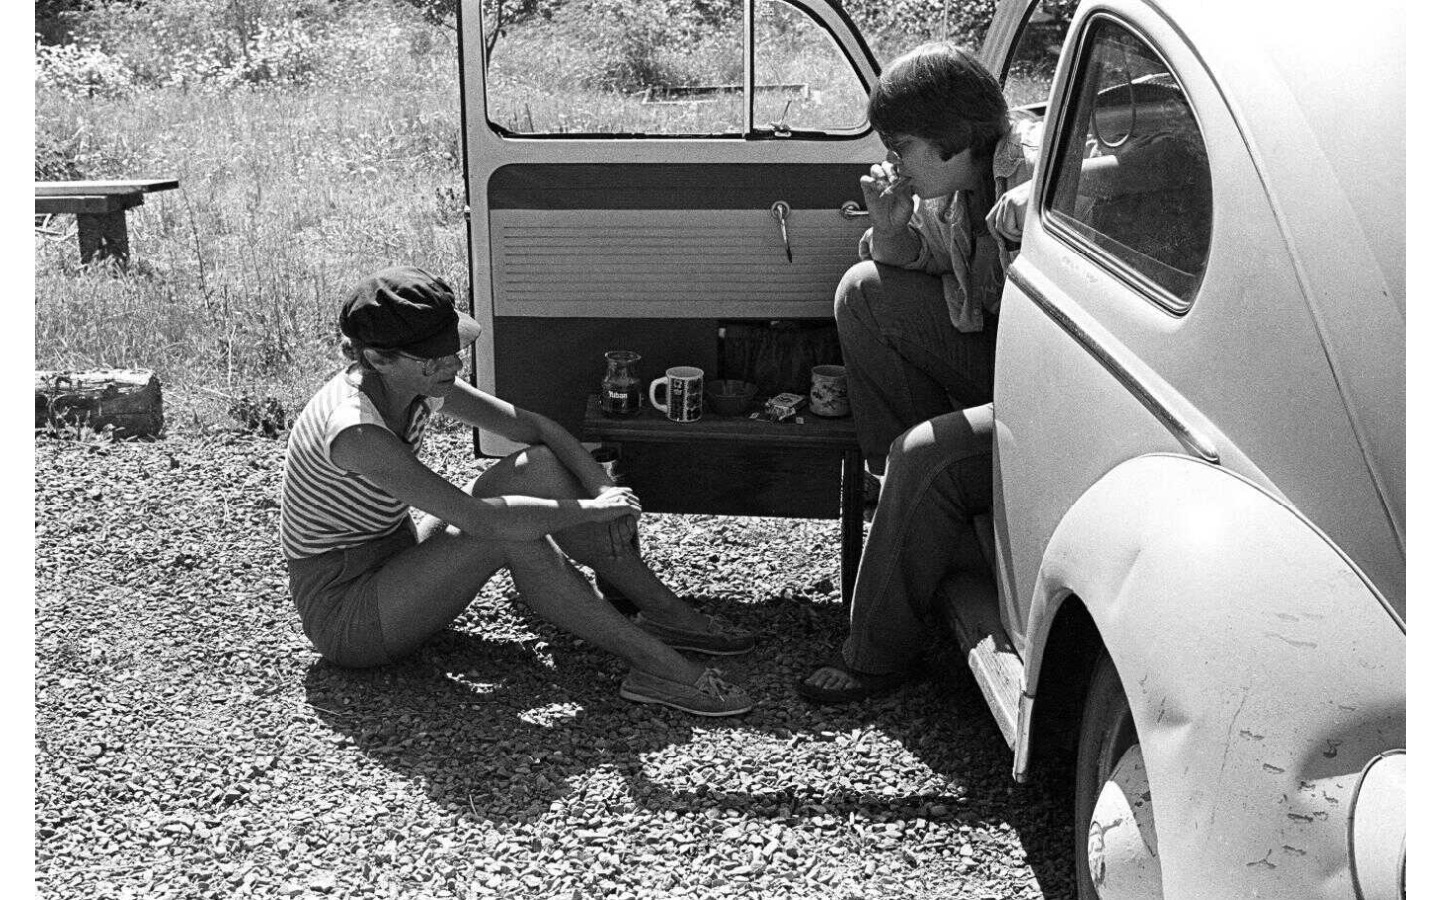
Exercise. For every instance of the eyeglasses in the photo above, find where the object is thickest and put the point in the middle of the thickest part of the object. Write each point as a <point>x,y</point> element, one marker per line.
<point>430,365</point>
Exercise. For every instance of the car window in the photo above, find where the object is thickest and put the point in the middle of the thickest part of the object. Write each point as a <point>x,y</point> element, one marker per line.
<point>803,80</point>
<point>666,67</point>
<point>1132,177</point>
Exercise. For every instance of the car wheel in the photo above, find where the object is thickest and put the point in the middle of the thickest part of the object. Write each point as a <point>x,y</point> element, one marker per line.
<point>1116,853</point>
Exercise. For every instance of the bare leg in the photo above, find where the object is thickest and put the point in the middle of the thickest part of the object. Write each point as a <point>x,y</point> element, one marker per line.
<point>424,588</point>
<point>604,548</point>
<point>540,570</point>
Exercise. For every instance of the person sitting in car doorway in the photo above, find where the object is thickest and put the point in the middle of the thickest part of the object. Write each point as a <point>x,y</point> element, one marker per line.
<point>917,316</point>
<point>917,321</point>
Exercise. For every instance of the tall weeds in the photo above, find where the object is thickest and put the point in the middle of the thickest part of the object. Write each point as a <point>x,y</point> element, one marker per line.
<point>289,192</point>
<point>315,141</point>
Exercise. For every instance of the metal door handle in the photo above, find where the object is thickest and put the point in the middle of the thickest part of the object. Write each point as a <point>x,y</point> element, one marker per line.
<point>781,211</point>
<point>852,210</point>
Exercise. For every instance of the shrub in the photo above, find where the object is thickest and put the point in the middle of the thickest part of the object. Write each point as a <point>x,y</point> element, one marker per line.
<point>905,23</point>
<point>632,44</point>
<point>82,69</point>
<point>55,156</point>
<point>54,19</point>
<point>190,42</point>
<point>58,151</point>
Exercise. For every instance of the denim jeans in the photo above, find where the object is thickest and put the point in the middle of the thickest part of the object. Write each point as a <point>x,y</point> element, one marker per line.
<point>938,479</point>
<point>904,361</point>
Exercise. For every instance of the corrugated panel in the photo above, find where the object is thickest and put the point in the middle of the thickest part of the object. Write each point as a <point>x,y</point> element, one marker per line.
<point>668,263</point>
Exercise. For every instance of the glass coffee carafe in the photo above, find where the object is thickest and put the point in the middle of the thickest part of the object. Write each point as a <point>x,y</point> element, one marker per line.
<point>620,388</point>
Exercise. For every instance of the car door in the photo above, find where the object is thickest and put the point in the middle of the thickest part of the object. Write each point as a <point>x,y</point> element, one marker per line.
<point>1154,306</point>
<point>1022,47</point>
<point>640,173</point>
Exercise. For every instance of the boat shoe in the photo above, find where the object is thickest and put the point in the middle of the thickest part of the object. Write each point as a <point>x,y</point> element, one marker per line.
<point>710,695</point>
<point>720,639</point>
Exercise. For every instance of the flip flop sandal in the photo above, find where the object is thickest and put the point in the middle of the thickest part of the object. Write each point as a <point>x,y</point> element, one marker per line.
<point>866,685</point>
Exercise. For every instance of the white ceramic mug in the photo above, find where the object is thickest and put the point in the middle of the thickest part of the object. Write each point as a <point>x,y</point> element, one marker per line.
<point>684,393</point>
<point>829,394</point>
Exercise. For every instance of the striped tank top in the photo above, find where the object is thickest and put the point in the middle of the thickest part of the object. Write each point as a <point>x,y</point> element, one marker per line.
<point>323,507</point>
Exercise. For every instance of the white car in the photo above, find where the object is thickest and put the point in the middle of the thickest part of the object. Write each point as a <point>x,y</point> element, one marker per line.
<point>1200,450</point>
<point>1199,520</point>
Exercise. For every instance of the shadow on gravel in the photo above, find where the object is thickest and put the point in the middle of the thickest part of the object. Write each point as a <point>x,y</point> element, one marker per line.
<point>946,724</point>
<point>499,729</point>
<point>489,726</point>
<point>1039,811</point>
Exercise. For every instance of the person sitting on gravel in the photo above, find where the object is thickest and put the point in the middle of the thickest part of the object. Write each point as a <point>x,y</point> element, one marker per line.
<point>917,315</point>
<point>937,480</point>
<point>370,586</point>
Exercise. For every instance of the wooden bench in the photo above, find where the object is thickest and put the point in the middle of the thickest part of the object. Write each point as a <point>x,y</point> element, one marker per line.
<point>815,439</point>
<point>99,208</point>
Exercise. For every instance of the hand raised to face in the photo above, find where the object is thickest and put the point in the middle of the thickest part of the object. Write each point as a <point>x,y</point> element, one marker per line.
<point>888,196</point>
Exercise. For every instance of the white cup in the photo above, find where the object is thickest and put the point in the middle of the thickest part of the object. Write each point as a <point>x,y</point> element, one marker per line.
<point>684,393</point>
<point>829,394</point>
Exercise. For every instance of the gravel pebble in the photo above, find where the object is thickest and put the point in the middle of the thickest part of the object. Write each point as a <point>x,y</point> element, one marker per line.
<point>189,742</point>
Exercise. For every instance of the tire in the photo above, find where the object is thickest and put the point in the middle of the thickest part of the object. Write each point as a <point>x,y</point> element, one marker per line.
<point>1110,774</point>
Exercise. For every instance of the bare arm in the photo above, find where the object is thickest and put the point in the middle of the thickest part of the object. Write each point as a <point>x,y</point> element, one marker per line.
<point>383,459</point>
<point>1006,219</point>
<point>475,407</point>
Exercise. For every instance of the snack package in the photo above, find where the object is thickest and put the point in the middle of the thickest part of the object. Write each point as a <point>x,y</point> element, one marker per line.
<point>783,406</point>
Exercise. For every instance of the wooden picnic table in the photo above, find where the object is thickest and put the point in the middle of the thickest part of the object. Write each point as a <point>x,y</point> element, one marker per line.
<point>99,208</point>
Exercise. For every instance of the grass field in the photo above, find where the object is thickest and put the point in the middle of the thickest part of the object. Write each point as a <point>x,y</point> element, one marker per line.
<point>288,195</point>
<point>294,187</point>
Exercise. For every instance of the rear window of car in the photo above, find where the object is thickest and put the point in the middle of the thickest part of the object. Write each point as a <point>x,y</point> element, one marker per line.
<point>1132,178</point>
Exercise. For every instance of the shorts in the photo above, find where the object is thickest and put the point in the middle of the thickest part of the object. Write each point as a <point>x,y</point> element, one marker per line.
<point>338,602</point>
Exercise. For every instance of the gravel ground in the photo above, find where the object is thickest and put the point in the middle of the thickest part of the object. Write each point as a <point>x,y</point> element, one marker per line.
<point>189,743</point>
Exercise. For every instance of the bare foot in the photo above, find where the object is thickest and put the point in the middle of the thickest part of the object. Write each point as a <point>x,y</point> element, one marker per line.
<point>832,679</point>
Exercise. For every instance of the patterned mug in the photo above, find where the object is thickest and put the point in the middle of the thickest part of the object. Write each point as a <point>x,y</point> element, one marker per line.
<point>829,395</point>
<point>684,393</point>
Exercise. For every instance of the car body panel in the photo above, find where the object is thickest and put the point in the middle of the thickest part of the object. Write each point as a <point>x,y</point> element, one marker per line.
<point>1330,149</point>
<point>1220,483</point>
<point>1257,715</point>
<point>1320,102</point>
<point>1006,24</point>
<point>1248,353</point>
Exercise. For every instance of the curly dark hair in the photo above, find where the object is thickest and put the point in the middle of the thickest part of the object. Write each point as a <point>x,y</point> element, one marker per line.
<point>942,94</point>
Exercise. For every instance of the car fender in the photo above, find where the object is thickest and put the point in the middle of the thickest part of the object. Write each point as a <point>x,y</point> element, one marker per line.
<point>1262,669</point>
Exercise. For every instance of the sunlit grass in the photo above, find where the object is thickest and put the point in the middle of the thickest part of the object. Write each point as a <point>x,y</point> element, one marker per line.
<point>539,82</point>
<point>290,193</point>
<point>288,196</point>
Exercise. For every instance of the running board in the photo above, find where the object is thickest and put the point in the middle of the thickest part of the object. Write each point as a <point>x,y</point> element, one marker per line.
<point>971,606</point>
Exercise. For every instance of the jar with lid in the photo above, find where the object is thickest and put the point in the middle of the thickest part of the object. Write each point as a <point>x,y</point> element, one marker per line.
<point>620,388</point>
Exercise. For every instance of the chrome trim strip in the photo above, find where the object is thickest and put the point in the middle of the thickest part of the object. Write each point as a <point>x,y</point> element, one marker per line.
<point>1197,443</point>
<point>1056,223</point>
